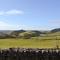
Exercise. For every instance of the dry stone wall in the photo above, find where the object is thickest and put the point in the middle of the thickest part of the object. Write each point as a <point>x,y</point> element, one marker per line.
<point>29,54</point>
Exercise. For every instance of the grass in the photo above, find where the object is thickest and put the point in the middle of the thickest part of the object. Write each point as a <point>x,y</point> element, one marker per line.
<point>28,43</point>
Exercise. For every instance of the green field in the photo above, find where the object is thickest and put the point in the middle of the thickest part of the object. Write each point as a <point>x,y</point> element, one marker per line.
<point>28,43</point>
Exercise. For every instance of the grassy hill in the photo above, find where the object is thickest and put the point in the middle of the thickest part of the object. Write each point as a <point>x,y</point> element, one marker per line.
<point>41,40</point>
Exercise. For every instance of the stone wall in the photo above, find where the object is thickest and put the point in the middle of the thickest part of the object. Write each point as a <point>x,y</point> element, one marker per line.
<point>29,54</point>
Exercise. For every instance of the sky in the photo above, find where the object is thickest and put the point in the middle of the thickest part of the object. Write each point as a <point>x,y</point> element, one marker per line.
<point>29,14</point>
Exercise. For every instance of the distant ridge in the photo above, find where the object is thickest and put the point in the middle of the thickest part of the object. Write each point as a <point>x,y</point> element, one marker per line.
<point>55,30</point>
<point>22,33</point>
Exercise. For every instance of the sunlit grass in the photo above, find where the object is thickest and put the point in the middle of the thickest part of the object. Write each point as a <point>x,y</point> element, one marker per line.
<point>28,43</point>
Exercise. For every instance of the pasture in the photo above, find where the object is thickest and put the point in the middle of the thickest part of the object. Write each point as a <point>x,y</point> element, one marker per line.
<point>40,42</point>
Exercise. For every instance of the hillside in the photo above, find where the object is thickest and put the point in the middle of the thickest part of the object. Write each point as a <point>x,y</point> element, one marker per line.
<point>55,30</point>
<point>28,33</point>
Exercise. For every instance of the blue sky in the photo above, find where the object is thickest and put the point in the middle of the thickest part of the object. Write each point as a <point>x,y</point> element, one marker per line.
<point>29,14</point>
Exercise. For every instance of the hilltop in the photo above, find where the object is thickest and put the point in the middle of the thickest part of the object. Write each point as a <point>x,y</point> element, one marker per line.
<point>27,33</point>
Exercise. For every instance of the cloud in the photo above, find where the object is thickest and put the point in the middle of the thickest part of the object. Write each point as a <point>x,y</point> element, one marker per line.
<point>11,12</point>
<point>6,26</point>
